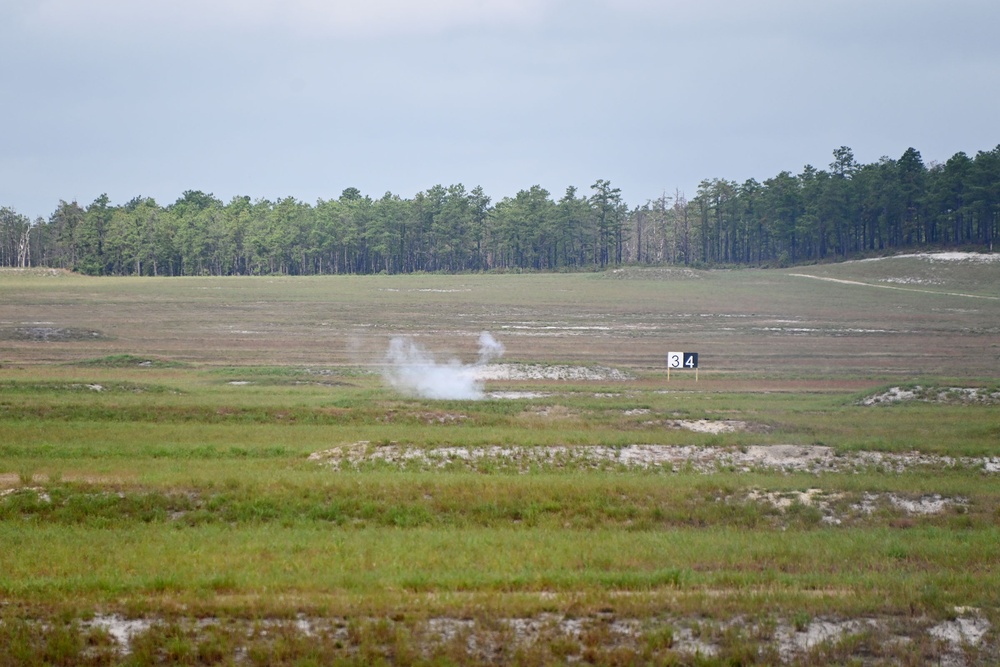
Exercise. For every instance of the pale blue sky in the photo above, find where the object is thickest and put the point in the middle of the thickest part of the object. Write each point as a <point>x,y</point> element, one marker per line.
<point>304,98</point>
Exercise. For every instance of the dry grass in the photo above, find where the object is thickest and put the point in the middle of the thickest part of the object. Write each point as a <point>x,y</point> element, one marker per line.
<point>763,322</point>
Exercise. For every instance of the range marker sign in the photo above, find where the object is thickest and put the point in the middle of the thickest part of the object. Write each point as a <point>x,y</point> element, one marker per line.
<point>682,361</point>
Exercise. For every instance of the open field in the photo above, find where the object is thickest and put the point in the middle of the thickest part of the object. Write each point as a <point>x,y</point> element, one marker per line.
<point>217,471</point>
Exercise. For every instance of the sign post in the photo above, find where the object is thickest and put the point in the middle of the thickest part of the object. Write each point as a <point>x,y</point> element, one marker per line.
<point>682,361</point>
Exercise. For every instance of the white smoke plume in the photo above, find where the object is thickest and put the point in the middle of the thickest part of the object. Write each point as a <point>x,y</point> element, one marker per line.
<point>412,370</point>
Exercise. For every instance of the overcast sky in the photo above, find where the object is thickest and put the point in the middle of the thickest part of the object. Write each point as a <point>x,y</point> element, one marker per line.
<point>304,98</point>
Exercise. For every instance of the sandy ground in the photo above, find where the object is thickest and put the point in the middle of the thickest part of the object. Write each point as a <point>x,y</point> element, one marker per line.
<point>548,372</point>
<point>963,395</point>
<point>953,256</point>
<point>669,458</point>
<point>969,629</point>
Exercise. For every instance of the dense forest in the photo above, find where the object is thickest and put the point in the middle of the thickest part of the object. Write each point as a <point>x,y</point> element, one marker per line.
<point>846,210</point>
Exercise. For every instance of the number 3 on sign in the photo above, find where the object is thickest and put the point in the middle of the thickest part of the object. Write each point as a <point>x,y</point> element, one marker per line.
<point>675,360</point>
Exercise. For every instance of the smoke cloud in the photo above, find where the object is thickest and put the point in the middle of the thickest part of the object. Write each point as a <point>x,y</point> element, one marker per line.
<point>412,370</point>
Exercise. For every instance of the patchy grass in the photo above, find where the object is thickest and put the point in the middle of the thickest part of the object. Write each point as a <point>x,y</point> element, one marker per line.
<point>749,321</point>
<point>170,512</point>
<point>128,361</point>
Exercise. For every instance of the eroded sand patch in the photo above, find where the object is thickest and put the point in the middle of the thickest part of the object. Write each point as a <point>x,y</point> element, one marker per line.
<point>834,508</point>
<point>709,426</point>
<point>947,256</point>
<point>497,371</point>
<point>945,395</point>
<point>37,491</point>
<point>514,395</point>
<point>795,641</point>
<point>121,629</point>
<point>926,504</point>
<point>788,640</point>
<point>963,630</point>
<point>667,458</point>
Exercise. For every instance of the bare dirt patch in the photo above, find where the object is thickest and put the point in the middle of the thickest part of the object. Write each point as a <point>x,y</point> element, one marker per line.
<point>9,479</point>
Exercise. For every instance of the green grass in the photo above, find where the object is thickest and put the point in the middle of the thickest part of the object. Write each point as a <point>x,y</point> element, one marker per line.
<point>164,493</point>
<point>186,417</point>
<point>468,500</point>
<point>57,562</point>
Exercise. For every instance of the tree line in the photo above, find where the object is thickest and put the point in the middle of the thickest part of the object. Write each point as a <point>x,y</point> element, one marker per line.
<point>846,210</point>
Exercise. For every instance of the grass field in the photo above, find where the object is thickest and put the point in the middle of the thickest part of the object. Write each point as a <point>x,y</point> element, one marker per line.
<point>215,471</point>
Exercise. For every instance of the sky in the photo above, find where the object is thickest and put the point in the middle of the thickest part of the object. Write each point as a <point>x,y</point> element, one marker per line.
<point>305,98</point>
